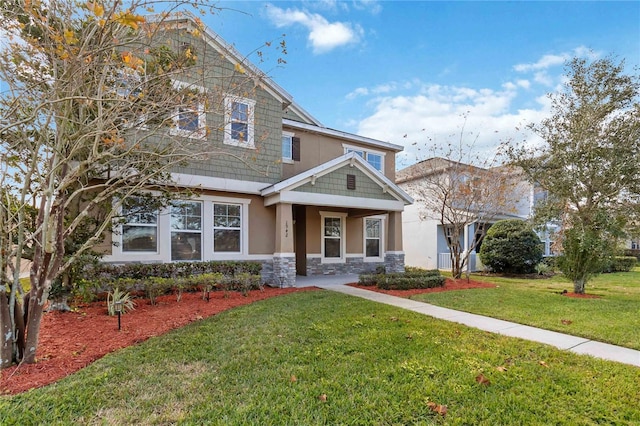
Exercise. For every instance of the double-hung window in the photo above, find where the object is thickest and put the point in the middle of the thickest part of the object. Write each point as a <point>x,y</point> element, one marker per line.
<point>140,229</point>
<point>333,236</point>
<point>186,230</point>
<point>189,118</point>
<point>239,121</point>
<point>227,228</point>
<point>373,237</point>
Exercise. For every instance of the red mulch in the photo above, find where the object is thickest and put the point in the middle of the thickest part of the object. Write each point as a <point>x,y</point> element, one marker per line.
<point>449,284</point>
<point>70,341</point>
<point>582,296</point>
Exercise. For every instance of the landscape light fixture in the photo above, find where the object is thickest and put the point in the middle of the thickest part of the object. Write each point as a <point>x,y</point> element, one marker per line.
<point>117,306</point>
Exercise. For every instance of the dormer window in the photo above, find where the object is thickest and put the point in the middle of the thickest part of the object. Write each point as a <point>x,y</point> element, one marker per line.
<point>239,122</point>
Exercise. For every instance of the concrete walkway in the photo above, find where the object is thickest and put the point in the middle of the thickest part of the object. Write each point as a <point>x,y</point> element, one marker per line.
<point>578,345</point>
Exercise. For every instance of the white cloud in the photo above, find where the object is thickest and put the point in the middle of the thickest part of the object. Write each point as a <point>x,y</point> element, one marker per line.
<point>324,36</point>
<point>547,61</point>
<point>550,61</point>
<point>377,90</point>
<point>437,114</point>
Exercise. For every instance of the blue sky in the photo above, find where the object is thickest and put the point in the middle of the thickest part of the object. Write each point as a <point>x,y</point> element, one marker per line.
<point>406,72</point>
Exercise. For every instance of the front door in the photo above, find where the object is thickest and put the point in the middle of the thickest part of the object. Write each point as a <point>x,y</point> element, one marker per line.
<point>300,238</point>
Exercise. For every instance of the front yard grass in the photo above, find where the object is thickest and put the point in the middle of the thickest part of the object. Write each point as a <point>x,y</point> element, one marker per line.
<point>614,317</point>
<point>322,358</point>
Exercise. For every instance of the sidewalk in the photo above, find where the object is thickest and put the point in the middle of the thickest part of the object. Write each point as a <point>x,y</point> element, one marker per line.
<point>578,345</point>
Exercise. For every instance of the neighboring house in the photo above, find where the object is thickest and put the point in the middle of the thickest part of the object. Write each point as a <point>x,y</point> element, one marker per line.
<point>294,195</point>
<point>425,239</point>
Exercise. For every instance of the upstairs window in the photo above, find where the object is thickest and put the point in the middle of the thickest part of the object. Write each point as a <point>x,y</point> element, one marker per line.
<point>239,122</point>
<point>290,148</point>
<point>287,147</point>
<point>374,158</point>
<point>189,119</point>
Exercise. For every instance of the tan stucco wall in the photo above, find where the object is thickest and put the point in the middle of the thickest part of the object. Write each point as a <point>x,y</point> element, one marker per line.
<point>317,149</point>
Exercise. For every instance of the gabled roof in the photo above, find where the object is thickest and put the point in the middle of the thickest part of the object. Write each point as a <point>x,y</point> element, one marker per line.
<point>188,20</point>
<point>351,159</point>
<point>342,135</point>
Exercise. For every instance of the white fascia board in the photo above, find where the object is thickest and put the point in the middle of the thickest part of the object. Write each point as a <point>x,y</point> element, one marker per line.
<point>351,158</point>
<point>330,200</point>
<point>342,135</point>
<point>218,184</point>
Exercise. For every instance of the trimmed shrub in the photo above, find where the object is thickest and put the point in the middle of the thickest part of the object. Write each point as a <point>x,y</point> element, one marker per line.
<point>511,246</point>
<point>620,264</point>
<point>410,279</point>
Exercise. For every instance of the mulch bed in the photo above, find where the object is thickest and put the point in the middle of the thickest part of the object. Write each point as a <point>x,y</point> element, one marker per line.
<point>449,285</point>
<point>70,341</point>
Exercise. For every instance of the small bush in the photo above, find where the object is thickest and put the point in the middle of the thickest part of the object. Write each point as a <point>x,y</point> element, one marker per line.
<point>511,246</point>
<point>119,296</point>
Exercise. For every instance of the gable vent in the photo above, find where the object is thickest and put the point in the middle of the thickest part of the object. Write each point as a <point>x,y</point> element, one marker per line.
<point>351,182</point>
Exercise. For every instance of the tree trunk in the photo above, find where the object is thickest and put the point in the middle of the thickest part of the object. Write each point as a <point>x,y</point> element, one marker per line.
<point>6,347</point>
<point>19,316</point>
<point>579,285</point>
<point>34,318</point>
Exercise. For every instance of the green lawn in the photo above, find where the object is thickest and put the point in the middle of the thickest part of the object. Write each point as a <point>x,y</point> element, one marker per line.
<point>376,364</point>
<point>613,318</point>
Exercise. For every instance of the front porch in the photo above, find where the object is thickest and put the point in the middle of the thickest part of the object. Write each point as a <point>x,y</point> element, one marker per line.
<point>342,217</point>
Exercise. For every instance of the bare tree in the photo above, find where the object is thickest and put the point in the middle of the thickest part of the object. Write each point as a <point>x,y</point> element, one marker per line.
<point>460,190</point>
<point>102,104</point>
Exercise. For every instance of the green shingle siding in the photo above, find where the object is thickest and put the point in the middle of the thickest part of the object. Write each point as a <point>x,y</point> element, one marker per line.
<point>336,183</point>
<point>219,77</point>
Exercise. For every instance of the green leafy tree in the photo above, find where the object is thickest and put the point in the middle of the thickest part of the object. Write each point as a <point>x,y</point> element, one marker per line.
<point>589,165</point>
<point>511,246</point>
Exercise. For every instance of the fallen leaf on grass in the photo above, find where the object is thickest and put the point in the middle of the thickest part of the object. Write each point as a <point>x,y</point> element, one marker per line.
<point>437,408</point>
<point>293,379</point>
<point>393,319</point>
<point>481,379</point>
<point>544,364</point>
<point>323,397</point>
<point>501,368</point>
<point>566,322</point>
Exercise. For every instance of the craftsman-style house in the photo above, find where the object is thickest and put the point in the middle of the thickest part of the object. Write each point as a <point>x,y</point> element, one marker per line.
<point>298,197</point>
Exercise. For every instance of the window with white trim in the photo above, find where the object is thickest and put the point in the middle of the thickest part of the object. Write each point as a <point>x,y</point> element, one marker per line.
<point>186,230</point>
<point>227,228</point>
<point>239,121</point>
<point>375,158</point>
<point>287,147</point>
<point>333,236</point>
<point>140,230</point>
<point>189,118</point>
<point>373,237</point>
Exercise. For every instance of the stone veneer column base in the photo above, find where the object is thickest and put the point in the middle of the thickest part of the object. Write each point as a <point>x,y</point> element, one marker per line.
<point>284,271</point>
<point>394,262</point>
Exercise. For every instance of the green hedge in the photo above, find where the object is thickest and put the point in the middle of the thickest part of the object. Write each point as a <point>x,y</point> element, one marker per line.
<point>411,279</point>
<point>162,278</point>
<point>170,270</point>
<point>620,264</point>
